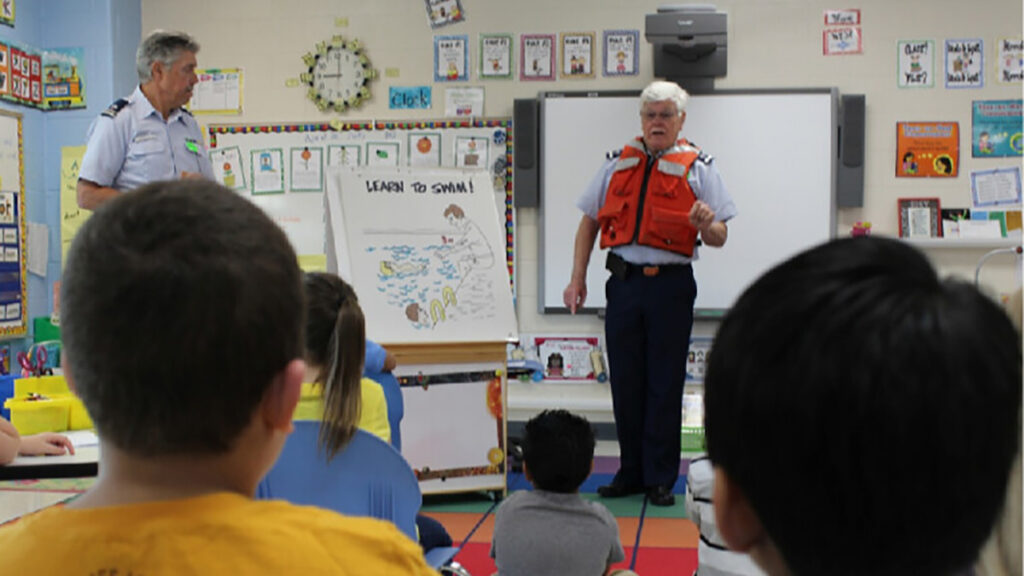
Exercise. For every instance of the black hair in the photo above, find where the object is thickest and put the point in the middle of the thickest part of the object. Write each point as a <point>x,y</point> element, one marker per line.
<point>558,449</point>
<point>842,386</point>
<point>336,344</point>
<point>181,302</point>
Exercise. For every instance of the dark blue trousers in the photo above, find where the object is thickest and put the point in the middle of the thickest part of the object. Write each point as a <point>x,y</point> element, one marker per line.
<point>647,329</point>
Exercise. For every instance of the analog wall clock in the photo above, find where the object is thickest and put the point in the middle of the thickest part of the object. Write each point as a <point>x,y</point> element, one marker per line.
<point>338,74</point>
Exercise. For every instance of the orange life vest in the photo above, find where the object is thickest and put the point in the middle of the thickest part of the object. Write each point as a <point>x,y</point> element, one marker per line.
<point>666,200</point>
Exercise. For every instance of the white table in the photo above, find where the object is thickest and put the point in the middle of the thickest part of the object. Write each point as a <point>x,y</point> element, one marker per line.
<point>85,462</point>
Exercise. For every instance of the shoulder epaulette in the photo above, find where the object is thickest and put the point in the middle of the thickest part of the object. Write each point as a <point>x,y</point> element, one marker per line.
<point>704,158</point>
<point>613,154</point>
<point>116,107</point>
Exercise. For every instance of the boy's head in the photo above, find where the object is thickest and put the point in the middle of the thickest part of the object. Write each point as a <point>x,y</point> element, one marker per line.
<point>182,304</point>
<point>845,386</point>
<point>558,451</point>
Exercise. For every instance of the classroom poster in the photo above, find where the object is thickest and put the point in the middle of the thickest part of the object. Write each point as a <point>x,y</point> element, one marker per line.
<point>344,155</point>
<point>537,57</point>
<point>841,41</point>
<point>63,86</point>
<point>409,98</point>
<point>219,91</point>
<point>5,73</point>
<point>965,63</point>
<point>996,128</point>
<point>227,167</point>
<point>1009,60</point>
<point>71,216</point>
<point>267,171</point>
<point>997,187</point>
<point>915,63</point>
<point>306,169</point>
<point>577,55</point>
<point>451,58</point>
<point>566,358</point>
<point>471,152</point>
<point>424,148</point>
<point>925,149</point>
<point>7,12</point>
<point>444,12</point>
<point>620,52</point>
<point>465,102</point>
<point>382,154</point>
<point>495,56</point>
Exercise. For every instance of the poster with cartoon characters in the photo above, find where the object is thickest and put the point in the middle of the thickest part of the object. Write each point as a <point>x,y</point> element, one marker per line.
<point>925,149</point>
<point>965,63</point>
<point>1010,61</point>
<point>996,128</point>
<point>425,254</point>
<point>451,58</point>
<point>916,64</point>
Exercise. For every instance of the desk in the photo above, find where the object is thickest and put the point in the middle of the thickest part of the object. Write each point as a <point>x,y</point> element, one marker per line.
<point>85,462</point>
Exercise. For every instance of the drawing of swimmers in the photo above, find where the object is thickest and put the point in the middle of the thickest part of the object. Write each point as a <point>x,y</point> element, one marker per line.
<point>470,251</point>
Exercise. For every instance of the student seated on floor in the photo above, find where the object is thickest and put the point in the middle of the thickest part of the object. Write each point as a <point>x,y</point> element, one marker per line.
<point>713,556</point>
<point>182,328</point>
<point>335,340</point>
<point>862,415</point>
<point>13,445</point>
<point>552,529</point>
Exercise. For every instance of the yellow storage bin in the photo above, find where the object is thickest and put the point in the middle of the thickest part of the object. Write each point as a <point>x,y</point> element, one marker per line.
<point>45,385</point>
<point>35,416</point>
<point>78,417</point>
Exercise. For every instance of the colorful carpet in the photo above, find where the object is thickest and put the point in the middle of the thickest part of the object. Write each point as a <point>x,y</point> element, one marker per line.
<point>667,540</point>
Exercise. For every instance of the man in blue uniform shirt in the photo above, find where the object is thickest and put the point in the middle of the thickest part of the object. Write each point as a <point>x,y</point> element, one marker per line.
<point>650,203</point>
<point>147,136</point>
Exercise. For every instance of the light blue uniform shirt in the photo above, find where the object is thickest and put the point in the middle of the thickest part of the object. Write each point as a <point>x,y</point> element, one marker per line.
<point>137,146</point>
<point>707,186</point>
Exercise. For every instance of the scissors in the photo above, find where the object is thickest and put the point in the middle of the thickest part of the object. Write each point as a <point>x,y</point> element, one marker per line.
<point>25,360</point>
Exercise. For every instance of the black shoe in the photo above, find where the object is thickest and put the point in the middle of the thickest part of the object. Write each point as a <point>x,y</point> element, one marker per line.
<point>661,496</point>
<point>617,490</point>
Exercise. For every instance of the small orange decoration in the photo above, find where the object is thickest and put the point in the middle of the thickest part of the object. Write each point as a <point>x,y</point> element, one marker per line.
<point>424,145</point>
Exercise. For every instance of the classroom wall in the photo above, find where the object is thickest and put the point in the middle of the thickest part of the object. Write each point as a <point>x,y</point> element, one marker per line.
<point>772,44</point>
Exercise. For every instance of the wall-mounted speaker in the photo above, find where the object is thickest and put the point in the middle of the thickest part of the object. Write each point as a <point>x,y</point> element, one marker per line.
<point>526,163</point>
<point>850,176</point>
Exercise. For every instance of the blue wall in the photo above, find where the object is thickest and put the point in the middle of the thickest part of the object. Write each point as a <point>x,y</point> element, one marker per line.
<point>109,32</point>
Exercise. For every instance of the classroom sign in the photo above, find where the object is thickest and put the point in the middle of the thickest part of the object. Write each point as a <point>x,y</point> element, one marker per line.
<point>926,149</point>
<point>996,128</point>
<point>916,64</point>
<point>965,63</point>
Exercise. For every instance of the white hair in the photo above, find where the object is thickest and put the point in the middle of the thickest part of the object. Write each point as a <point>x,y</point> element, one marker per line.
<point>660,91</point>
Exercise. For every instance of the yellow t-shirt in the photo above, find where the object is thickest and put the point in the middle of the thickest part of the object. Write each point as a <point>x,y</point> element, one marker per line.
<point>221,533</point>
<point>373,415</point>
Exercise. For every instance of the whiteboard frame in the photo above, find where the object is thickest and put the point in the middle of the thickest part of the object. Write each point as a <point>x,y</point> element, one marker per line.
<point>550,304</point>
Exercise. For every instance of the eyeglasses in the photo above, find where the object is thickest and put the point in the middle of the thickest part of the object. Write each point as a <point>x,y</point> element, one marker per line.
<point>651,116</point>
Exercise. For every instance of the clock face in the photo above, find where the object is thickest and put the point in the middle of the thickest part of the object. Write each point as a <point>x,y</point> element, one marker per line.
<point>339,76</point>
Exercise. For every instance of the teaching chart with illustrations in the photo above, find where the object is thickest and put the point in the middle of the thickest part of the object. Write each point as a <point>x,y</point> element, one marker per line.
<point>424,249</point>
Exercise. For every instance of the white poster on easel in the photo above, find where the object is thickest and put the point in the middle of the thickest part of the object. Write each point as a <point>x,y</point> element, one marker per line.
<point>424,250</point>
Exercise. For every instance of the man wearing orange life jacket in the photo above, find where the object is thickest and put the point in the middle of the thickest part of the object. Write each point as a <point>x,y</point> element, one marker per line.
<point>650,203</point>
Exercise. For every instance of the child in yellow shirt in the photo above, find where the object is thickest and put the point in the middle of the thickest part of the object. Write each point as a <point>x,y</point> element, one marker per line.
<point>182,329</point>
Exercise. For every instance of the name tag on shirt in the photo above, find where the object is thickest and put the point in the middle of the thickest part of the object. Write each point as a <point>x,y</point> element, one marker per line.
<point>192,146</point>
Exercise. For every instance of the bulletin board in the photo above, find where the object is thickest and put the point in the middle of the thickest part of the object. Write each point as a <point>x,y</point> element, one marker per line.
<point>13,287</point>
<point>282,167</point>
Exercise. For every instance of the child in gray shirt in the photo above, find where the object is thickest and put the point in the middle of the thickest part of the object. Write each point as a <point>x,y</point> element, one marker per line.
<point>553,530</point>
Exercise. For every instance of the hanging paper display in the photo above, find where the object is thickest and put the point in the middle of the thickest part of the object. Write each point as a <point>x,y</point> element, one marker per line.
<point>926,149</point>
<point>444,12</point>
<point>495,56</point>
<point>1009,60</point>
<point>537,57</point>
<point>451,58</point>
<point>7,12</point>
<point>577,55</point>
<point>620,52</point>
<point>996,128</point>
<point>965,63</point>
<point>62,79</point>
<point>916,64</point>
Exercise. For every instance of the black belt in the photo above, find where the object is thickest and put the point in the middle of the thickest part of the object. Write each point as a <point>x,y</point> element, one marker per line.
<point>622,269</point>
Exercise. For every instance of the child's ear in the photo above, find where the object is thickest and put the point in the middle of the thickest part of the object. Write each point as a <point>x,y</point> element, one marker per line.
<point>282,397</point>
<point>737,522</point>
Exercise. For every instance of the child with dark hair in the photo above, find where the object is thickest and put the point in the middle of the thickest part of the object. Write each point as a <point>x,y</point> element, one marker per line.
<point>181,318</point>
<point>851,376</point>
<point>552,529</point>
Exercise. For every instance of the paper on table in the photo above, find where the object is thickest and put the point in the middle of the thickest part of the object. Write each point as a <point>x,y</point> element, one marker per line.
<point>980,229</point>
<point>82,438</point>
